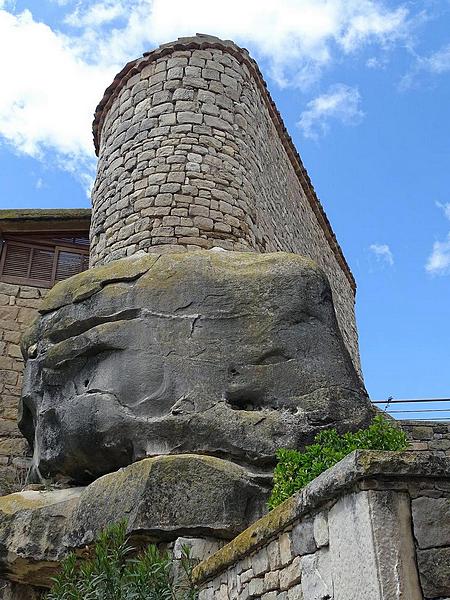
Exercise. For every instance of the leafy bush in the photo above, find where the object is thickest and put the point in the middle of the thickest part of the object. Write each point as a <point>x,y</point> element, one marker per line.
<point>115,572</point>
<point>295,469</point>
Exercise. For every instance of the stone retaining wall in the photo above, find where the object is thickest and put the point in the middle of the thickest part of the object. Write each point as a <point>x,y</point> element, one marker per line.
<point>18,304</point>
<point>428,436</point>
<point>375,526</point>
<point>193,154</point>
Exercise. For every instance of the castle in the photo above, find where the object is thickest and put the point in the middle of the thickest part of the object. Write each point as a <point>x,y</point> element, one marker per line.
<point>215,323</point>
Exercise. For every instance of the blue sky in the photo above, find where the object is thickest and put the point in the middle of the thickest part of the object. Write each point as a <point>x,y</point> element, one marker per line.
<point>364,89</point>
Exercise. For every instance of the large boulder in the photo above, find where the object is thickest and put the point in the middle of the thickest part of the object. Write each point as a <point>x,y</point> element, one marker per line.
<point>222,353</point>
<point>161,498</point>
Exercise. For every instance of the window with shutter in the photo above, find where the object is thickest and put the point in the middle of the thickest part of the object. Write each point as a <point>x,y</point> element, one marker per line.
<point>16,260</point>
<point>70,263</point>
<point>42,260</point>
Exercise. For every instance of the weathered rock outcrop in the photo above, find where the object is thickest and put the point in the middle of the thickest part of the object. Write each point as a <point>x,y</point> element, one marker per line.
<point>221,353</point>
<point>161,498</point>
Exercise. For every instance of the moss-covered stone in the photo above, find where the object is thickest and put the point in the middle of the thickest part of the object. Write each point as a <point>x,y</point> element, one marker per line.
<point>359,470</point>
<point>162,498</point>
<point>44,214</point>
<point>231,354</point>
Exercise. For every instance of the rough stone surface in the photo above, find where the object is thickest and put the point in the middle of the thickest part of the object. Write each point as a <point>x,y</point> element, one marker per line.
<point>18,308</point>
<point>321,535</point>
<point>163,498</point>
<point>16,591</point>
<point>214,153</point>
<point>434,568</point>
<point>428,436</point>
<point>363,524</point>
<point>317,578</point>
<point>303,538</point>
<point>373,530</point>
<point>431,518</point>
<point>33,526</point>
<point>221,353</point>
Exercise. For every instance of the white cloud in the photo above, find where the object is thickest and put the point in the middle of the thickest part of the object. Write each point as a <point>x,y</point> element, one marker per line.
<point>55,77</point>
<point>49,93</point>
<point>439,260</point>
<point>436,63</point>
<point>377,62</point>
<point>341,102</point>
<point>383,253</point>
<point>445,207</point>
<point>97,14</point>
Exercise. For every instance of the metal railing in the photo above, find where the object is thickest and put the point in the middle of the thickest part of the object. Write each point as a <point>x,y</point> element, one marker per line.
<point>417,409</point>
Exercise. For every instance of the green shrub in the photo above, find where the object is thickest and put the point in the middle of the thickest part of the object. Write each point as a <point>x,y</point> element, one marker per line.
<point>295,469</point>
<point>115,572</point>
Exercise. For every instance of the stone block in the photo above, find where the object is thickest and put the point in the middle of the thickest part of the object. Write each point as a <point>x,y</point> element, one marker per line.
<point>260,562</point>
<point>317,579</point>
<point>295,593</point>
<point>246,576</point>
<point>431,521</point>
<point>9,289</point>
<point>189,117</point>
<point>321,535</point>
<point>13,446</point>
<point>273,553</point>
<point>303,538</point>
<point>163,497</point>
<point>285,546</point>
<point>269,596</point>
<point>290,575</point>
<point>434,569</point>
<point>271,581</point>
<point>421,432</point>
<point>256,587</point>
<point>203,223</point>
<point>29,292</point>
<point>199,548</point>
<point>371,547</point>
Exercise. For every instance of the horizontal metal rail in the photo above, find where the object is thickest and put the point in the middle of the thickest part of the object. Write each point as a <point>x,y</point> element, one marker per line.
<point>392,401</point>
<point>413,410</point>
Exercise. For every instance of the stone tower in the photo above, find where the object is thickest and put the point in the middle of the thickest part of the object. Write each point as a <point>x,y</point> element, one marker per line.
<point>161,382</point>
<point>193,153</point>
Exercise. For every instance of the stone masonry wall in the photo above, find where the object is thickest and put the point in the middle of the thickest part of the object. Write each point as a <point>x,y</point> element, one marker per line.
<point>428,436</point>
<point>355,532</point>
<point>193,154</point>
<point>18,305</point>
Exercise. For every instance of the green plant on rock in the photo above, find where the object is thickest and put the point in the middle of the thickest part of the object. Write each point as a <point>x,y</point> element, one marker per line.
<point>295,469</point>
<point>116,572</point>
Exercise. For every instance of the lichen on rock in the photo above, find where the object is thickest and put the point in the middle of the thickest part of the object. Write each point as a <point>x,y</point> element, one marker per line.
<point>227,354</point>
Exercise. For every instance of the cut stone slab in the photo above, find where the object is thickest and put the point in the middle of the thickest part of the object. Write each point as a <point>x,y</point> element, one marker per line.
<point>317,580</point>
<point>434,569</point>
<point>230,354</point>
<point>431,518</point>
<point>162,498</point>
<point>366,530</point>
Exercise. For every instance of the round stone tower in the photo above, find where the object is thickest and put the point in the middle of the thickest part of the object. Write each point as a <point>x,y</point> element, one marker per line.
<point>194,154</point>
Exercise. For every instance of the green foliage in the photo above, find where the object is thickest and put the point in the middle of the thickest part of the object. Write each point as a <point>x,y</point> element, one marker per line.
<point>115,572</point>
<point>295,469</point>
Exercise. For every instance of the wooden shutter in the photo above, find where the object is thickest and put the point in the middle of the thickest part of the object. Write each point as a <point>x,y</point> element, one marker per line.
<point>40,265</point>
<point>16,260</point>
<point>41,268</point>
<point>70,263</point>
